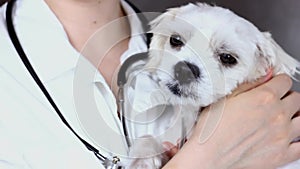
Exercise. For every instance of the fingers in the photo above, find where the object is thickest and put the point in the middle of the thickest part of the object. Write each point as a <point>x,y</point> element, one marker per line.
<point>248,86</point>
<point>170,149</point>
<point>279,85</point>
<point>297,114</point>
<point>295,133</point>
<point>294,152</point>
<point>291,103</point>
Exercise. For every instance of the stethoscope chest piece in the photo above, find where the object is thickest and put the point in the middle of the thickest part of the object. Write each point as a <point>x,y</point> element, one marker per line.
<point>112,163</point>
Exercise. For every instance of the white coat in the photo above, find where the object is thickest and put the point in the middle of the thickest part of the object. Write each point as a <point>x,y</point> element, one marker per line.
<point>31,133</point>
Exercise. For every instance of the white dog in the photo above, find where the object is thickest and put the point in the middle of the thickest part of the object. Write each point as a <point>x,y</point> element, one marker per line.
<point>201,53</point>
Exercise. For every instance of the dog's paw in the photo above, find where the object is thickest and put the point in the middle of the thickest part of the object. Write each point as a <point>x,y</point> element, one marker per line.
<point>146,153</point>
<point>146,163</point>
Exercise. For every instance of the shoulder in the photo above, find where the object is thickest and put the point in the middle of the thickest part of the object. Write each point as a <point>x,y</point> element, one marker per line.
<point>4,37</point>
<point>8,54</point>
<point>2,11</point>
<point>2,17</point>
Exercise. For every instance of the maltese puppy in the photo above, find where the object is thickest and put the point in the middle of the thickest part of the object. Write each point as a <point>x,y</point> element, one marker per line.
<point>201,53</point>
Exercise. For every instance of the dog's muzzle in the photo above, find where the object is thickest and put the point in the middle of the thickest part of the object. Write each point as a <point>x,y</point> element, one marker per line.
<point>186,72</point>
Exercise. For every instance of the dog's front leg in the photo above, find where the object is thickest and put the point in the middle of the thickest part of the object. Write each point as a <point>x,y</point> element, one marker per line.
<point>146,153</point>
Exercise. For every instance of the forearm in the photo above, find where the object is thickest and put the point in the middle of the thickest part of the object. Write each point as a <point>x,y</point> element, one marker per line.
<point>192,156</point>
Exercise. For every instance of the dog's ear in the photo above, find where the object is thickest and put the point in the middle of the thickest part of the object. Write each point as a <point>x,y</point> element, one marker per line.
<point>159,26</point>
<point>276,57</point>
<point>170,13</point>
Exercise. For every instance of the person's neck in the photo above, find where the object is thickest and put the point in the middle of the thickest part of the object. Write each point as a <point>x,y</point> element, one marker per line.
<point>81,18</point>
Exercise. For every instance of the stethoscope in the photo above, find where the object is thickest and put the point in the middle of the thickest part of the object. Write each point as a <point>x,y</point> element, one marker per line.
<point>111,163</point>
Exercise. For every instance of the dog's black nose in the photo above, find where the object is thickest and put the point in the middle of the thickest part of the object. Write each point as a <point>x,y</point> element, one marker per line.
<point>185,72</point>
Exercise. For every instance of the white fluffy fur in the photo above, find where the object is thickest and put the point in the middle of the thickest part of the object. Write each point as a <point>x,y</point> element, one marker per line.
<point>219,30</point>
<point>209,30</point>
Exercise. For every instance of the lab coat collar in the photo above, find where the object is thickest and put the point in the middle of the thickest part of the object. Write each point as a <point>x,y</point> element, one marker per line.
<point>46,43</point>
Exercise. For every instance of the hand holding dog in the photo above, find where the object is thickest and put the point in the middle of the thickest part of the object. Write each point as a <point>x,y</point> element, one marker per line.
<point>256,130</point>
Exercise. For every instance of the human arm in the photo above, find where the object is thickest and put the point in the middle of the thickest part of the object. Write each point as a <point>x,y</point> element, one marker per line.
<point>255,131</point>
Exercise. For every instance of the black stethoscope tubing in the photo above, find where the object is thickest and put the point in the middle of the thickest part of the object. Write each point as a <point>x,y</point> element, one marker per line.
<point>26,62</point>
<point>19,49</point>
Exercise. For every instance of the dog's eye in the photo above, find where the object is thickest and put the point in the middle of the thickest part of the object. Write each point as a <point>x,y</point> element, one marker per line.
<point>176,41</point>
<point>227,59</point>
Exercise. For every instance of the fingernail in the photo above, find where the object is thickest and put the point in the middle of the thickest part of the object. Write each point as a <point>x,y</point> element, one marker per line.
<point>268,76</point>
<point>167,146</point>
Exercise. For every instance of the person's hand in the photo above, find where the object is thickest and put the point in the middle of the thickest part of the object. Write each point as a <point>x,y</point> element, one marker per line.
<point>255,129</point>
